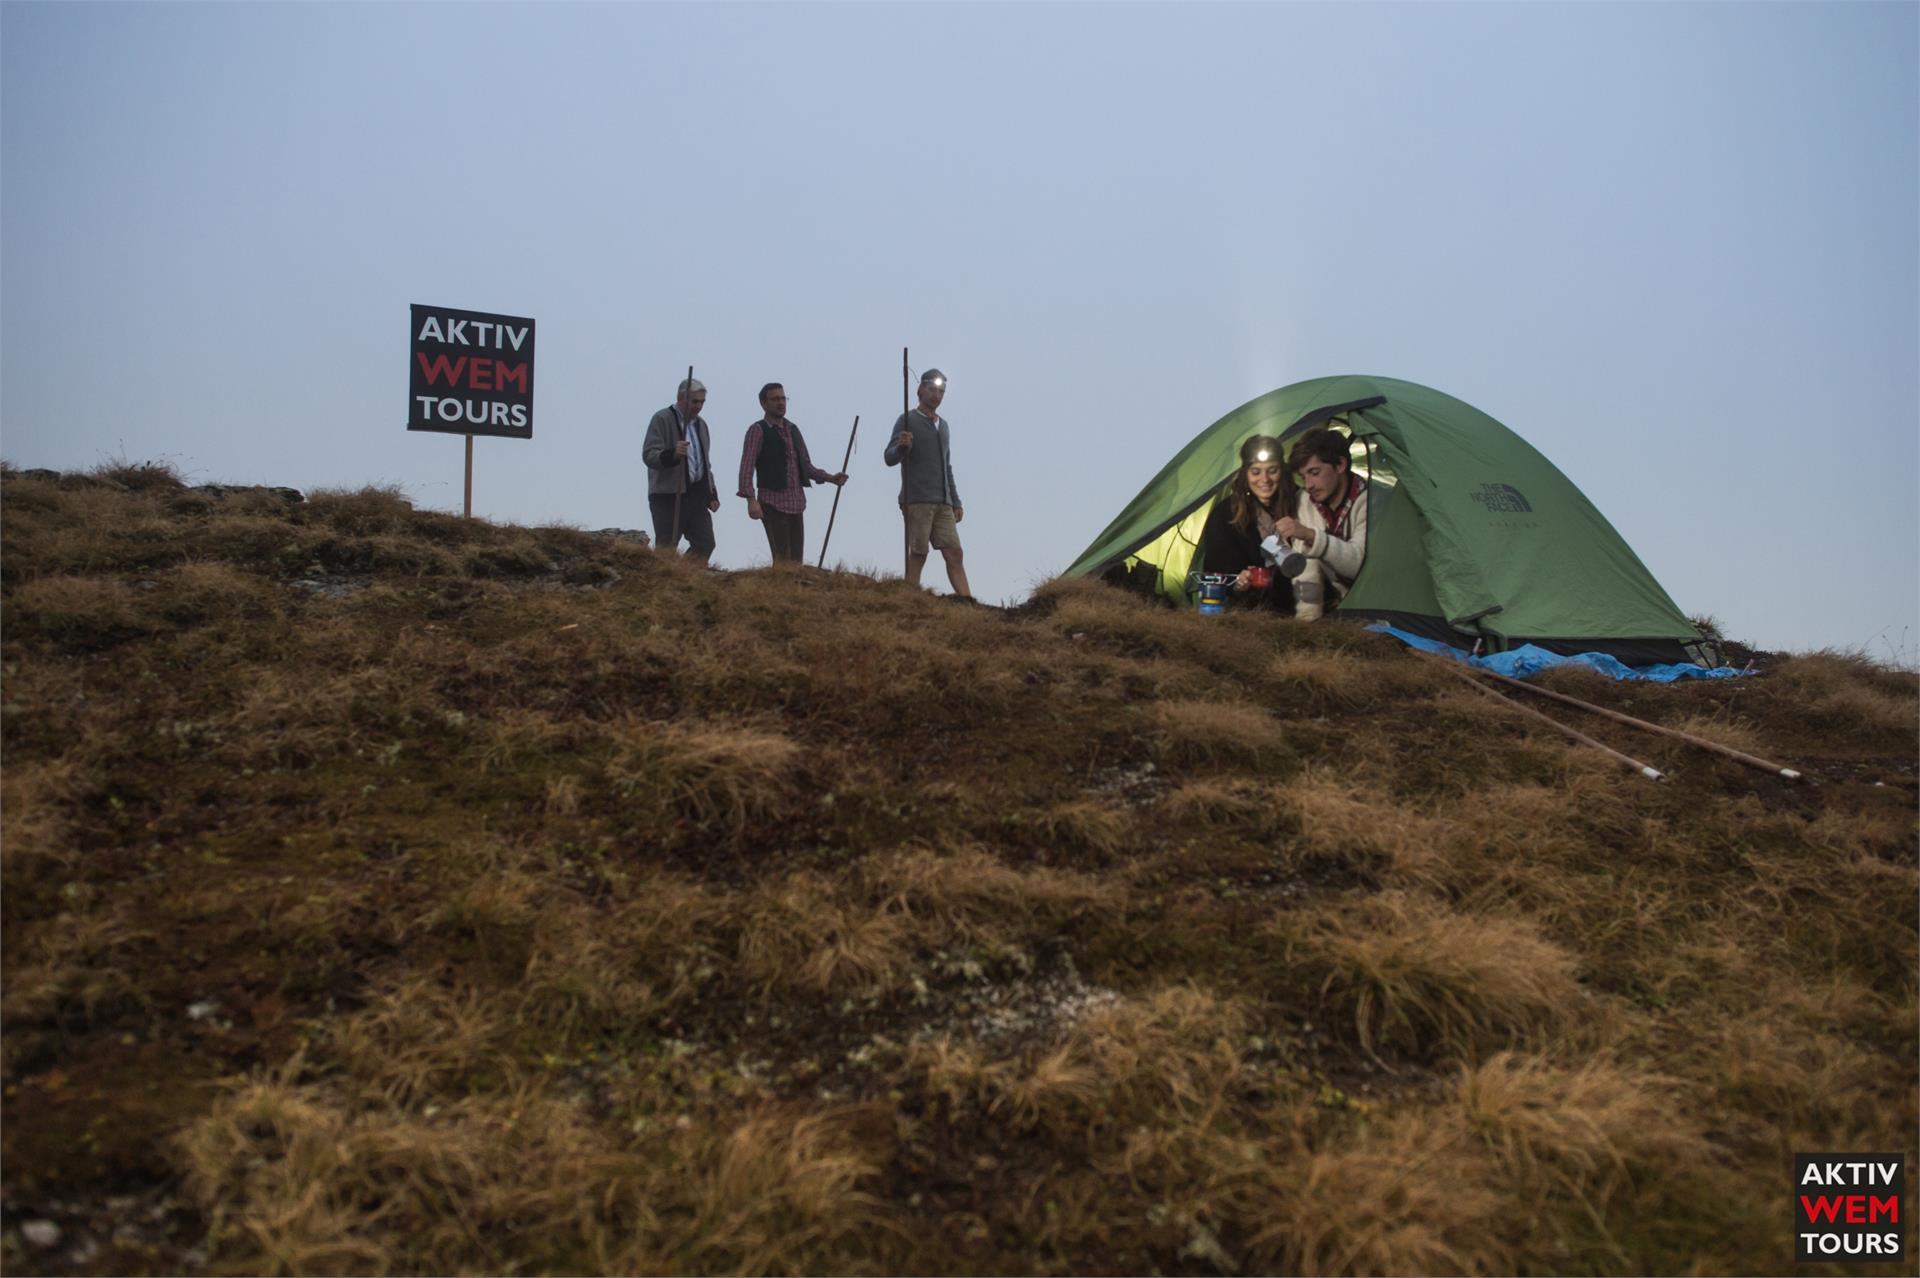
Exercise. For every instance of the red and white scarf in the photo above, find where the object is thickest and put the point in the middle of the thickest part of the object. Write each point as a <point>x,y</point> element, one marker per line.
<point>1336,516</point>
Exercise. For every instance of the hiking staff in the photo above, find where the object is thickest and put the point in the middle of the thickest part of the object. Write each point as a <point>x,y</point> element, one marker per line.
<point>688,393</point>
<point>837,491</point>
<point>1752,761</point>
<point>1645,770</point>
<point>906,531</point>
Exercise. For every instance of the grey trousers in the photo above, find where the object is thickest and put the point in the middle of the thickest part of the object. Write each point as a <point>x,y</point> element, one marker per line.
<point>786,534</point>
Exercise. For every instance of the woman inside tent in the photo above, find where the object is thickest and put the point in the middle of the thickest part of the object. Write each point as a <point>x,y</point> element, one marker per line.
<point>1261,492</point>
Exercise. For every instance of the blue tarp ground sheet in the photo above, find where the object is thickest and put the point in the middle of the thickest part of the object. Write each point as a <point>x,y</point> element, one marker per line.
<point>1528,660</point>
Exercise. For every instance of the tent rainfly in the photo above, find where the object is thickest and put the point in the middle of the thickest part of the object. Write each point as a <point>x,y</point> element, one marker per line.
<point>1474,538</point>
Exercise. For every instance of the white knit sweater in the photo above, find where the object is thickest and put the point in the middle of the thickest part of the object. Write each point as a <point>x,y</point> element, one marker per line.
<point>1342,556</point>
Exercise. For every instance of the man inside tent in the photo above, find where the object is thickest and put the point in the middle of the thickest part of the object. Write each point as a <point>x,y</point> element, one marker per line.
<point>1330,521</point>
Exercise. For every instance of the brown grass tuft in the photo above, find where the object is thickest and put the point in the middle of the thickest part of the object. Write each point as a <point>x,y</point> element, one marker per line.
<point>1313,681</point>
<point>1418,979</point>
<point>1732,733</point>
<point>1348,821</point>
<point>1209,732</point>
<point>144,476</point>
<point>799,932</point>
<point>38,802</point>
<point>584,979</point>
<point>715,776</point>
<point>212,591</point>
<point>1169,1057</point>
<point>375,508</point>
<point>1523,1163</point>
<point>1232,802</point>
<point>517,557</point>
<point>297,1180</point>
<point>81,612</point>
<point>1582,1127</point>
<point>562,796</point>
<point>781,1194</point>
<point>968,895</point>
<point>1413,1199</point>
<point>1079,824</point>
<point>1114,621</point>
<point>65,969</point>
<point>1847,689</point>
<point>516,739</point>
<point>422,1039</point>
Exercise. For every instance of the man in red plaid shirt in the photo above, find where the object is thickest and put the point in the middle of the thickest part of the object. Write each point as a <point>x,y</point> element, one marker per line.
<point>775,471</point>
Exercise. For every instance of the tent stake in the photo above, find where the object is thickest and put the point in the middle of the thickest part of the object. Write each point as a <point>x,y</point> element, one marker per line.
<point>1752,761</point>
<point>1645,770</point>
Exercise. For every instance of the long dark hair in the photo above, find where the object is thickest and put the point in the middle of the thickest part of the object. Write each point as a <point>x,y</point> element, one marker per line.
<point>1241,497</point>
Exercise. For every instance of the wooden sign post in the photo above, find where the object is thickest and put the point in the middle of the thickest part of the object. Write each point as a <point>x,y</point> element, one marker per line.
<point>470,373</point>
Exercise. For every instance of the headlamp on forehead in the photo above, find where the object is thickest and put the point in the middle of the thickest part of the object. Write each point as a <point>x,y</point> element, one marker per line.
<point>933,377</point>
<point>1263,455</point>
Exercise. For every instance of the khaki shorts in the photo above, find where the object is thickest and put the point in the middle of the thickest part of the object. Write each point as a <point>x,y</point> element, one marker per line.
<point>929,521</point>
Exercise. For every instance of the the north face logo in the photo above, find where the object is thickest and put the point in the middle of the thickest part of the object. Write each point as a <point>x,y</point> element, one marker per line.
<point>1502,499</point>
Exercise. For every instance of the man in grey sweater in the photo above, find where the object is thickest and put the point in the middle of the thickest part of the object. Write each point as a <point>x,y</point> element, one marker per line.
<point>679,459</point>
<point>929,499</point>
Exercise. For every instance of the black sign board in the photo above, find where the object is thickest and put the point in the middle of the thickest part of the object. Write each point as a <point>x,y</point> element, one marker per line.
<point>471,373</point>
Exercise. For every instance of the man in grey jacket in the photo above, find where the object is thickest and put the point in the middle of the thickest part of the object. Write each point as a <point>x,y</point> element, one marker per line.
<point>679,458</point>
<point>929,499</point>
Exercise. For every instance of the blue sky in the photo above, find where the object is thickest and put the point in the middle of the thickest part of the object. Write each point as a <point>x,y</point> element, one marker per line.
<point>1673,246</point>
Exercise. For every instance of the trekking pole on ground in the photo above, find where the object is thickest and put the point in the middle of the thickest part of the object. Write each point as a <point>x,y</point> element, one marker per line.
<point>1645,770</point>
<point>1752,761</point>
<point>683,461</point>
<point>837,490</point>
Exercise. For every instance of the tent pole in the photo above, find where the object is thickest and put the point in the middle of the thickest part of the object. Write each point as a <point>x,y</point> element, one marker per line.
<point>1645,770</point>
<point>1752,761</point>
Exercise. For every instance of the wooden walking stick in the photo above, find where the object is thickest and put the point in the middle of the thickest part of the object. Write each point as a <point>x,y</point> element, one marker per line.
<point>837,490</point>
<point>1752,761</point>
<point>683,461</point>
<point>906,533</point>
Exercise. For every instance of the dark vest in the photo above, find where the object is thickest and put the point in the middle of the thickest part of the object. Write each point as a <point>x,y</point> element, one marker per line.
<point>770,470</point>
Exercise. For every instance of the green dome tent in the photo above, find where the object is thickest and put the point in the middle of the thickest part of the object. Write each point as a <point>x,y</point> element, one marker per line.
<point>1473,538</point>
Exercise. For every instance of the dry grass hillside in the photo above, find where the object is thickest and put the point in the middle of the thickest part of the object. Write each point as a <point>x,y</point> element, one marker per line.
<point>387,893</point>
